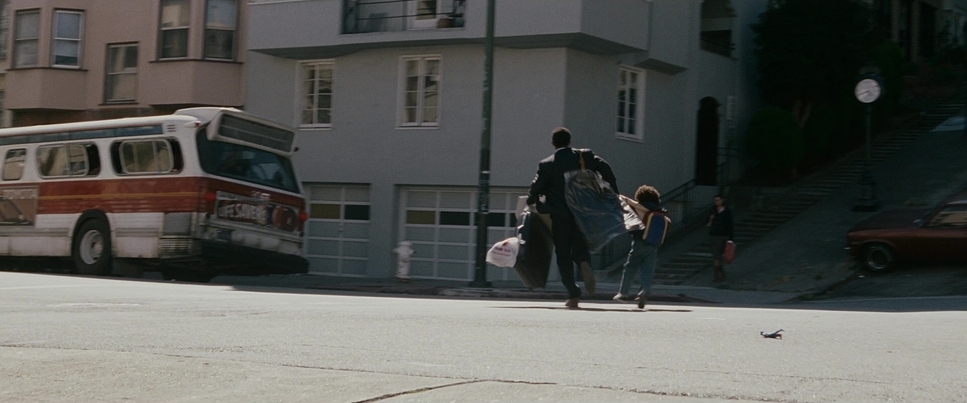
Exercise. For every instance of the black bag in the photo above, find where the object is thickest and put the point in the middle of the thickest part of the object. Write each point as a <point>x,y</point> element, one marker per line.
<point>536,247</point>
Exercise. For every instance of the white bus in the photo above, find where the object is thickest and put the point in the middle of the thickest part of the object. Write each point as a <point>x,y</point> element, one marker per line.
<point>201,192</point>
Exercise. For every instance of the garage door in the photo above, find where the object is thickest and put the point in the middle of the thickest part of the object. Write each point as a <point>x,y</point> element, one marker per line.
<point>337,240</point>
<point>439,223</point>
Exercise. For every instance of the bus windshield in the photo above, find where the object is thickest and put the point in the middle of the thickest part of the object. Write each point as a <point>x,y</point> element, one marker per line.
<point>246,163</point>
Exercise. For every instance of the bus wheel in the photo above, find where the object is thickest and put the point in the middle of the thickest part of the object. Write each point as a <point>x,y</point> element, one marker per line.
<point>92,248</point>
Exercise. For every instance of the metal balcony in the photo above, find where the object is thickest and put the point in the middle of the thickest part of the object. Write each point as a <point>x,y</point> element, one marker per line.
<point>364,16</point>
<point>309,29</point>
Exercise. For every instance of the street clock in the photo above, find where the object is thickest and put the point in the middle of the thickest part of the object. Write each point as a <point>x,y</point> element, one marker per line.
<point>868,90</point>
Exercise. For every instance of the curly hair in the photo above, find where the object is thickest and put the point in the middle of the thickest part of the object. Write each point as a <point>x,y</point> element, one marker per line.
<point>647,194</point>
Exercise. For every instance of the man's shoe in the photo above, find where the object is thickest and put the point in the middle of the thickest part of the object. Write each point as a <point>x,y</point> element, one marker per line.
<point>588,275</point>
<point>622,297</point>
<point>642,298</point>
<point>572,303</point>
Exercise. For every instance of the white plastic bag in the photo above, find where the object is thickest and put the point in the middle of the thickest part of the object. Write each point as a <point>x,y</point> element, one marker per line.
<point>504,253</point>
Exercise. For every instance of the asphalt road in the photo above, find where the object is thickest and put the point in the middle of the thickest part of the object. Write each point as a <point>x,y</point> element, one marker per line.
<point>68,338</point>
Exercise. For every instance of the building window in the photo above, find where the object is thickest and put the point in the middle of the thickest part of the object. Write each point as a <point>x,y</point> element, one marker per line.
<point>121,81</point>
<point>220,21</point>
<point>68,27</point>
<point>26,34</point>
<point>317,94</point>
<point>424,13</point>
<point>420,91</point>
<point>631,95</point>
<point>4,21</point>
<point>175,17</point>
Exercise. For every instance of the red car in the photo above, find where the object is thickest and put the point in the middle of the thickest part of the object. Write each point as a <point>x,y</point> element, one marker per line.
<point>937,235</point>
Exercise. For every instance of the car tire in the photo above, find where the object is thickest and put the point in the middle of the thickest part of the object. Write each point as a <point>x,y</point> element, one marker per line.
<point>878,258</point>
<point>91,248</point>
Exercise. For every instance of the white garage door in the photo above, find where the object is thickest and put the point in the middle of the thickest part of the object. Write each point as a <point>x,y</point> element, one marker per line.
<point>440,224</point>
<point>338,229</point>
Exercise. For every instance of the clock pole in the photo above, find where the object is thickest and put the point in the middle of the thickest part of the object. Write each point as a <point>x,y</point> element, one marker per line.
<point>869,89</point>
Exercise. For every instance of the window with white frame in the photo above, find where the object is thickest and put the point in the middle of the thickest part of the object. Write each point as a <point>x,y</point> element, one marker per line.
<point>317,93</point>
<point>221,18</point>
<point>68,29</point>
<point>25,40</point>
<point>420,103</point>
<point>121,81</point>
<point>631,95</point>
<point>175,17</point>
<point>424,13</point>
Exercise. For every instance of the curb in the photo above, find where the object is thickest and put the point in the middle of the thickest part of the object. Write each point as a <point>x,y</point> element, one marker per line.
<point>810,296</point>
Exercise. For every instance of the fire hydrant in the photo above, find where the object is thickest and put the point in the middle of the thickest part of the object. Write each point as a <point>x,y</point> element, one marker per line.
<point>403,252</point>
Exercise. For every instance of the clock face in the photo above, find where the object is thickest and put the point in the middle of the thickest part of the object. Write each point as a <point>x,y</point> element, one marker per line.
<point>867,90</point>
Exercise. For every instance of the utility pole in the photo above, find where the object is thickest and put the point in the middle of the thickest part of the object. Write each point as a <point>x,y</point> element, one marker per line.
<point>483,192</point>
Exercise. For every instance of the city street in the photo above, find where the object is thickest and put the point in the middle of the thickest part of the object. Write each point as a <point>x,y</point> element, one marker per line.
<point>70,338</point>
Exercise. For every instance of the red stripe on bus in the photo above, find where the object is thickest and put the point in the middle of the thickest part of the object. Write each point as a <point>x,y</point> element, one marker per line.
<point>144,195</point>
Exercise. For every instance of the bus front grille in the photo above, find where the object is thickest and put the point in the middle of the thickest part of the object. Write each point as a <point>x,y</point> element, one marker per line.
<point>174,247</point>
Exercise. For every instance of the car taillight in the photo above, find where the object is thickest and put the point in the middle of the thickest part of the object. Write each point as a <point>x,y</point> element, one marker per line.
<point>303,216</point>
<point>210,197</point>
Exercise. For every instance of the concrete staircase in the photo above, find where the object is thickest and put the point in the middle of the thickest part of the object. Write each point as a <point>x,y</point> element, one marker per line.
<point>755,222</point>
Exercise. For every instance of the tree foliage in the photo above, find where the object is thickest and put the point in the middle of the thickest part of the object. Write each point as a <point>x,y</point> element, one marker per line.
<point>810,51</point>
<point>774,139</point>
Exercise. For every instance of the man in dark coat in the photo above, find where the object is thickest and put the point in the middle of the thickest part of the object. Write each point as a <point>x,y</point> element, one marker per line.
<point>570,245</point>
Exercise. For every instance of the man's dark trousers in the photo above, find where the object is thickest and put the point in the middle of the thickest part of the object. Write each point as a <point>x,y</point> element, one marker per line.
<point>569,247</point>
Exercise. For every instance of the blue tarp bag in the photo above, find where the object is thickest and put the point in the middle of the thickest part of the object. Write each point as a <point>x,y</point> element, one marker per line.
<point>596,207</point>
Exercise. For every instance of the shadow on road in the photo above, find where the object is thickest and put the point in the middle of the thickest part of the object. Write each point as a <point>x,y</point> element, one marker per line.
<point>628,310</point>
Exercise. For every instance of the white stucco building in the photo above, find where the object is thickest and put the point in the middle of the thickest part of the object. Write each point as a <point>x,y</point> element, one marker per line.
<point>388,98</point>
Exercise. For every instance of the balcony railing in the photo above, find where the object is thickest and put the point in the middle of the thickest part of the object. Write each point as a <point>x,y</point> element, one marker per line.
<point>361,16</point>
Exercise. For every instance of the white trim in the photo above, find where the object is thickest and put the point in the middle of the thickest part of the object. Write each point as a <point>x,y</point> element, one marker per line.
<point>640,76</point>
<point>422,74</point>
<point>300,105</point>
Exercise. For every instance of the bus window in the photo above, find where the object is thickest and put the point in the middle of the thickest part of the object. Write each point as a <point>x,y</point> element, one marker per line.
<point>146,156</point>
<point>246,163</point>
<point>65,160</point>
<point>13,164</point>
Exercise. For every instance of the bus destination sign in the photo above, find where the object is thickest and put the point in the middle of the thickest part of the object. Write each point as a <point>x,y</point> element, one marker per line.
<point>256,211</point>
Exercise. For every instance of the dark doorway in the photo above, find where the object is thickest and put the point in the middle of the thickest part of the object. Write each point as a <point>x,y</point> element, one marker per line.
<point>707,142</point>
